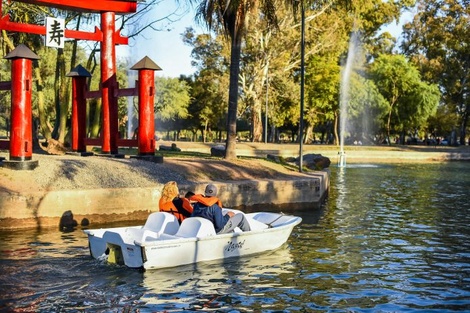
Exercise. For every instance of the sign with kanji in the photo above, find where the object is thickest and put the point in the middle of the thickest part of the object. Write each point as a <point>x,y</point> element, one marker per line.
<point>55,32</point>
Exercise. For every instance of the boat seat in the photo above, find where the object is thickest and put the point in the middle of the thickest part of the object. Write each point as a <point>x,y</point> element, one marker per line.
<point>162,222</point>
<point>157,223</point>
<point>254,224</point>
<point>196,227</point>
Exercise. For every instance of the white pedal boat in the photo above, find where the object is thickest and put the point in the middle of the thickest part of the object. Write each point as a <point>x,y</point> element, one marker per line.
<point>163,243</point>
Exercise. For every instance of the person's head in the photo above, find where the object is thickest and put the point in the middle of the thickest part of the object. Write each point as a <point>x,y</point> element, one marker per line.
<point>170,191</point>
<point>211,190</point>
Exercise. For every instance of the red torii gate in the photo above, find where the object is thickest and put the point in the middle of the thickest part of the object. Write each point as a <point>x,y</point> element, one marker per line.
<point>117,6</point>
<point>107,36</point>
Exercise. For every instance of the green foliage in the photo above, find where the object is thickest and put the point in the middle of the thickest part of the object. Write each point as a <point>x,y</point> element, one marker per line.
<point>367,107</point>
<point>5,98</point>
<point>410,100</point>
<point>284,109</point>
<point>209,91</point>
<point>323,81</point>
<point>438,42</point>
<point>443,122</point>
<point>172,98</point>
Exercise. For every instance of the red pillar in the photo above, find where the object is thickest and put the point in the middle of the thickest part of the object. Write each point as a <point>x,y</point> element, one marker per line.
<point>146,92</point>
<point>109,122</point>
<point>21,142</point>
<point>146,139</point>
<point>21,128</point>
<point>79,75</point>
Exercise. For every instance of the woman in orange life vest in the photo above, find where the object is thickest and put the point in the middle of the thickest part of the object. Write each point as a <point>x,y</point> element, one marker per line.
<point>171,202</point>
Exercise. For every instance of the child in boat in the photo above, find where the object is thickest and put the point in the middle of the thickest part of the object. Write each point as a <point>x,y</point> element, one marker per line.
<point>171,202</point>
<point>210,207</point>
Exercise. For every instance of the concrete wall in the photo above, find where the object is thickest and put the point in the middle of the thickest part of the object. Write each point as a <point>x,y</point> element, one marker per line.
<point>120,205</point>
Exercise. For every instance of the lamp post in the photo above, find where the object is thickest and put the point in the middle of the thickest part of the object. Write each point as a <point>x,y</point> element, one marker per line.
<point>266,106</point>
<point>302,77</point>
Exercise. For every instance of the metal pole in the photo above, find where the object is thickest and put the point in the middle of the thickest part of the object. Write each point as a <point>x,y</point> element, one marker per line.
<point>302,77</point>
<point>266,109</point>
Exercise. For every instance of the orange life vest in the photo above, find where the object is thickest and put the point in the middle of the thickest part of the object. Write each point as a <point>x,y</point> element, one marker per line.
<point>207,201</point>
<point>181,208</point>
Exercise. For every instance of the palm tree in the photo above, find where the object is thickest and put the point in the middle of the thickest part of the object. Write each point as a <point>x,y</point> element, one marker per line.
<point>233,15</point>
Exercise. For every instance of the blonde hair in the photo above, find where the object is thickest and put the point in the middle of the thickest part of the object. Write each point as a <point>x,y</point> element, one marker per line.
<point>170,191</point>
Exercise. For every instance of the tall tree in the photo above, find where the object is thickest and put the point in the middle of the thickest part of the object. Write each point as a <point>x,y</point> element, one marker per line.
<point>233,17</point>
<point>410,100</point>
<point>208,93</point>
<point>273,52</point>
<point>438,42</point>
<point>172,101</point>
<point>172,98</point>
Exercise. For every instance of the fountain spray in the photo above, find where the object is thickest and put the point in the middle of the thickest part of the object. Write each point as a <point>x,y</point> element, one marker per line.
<point>345,93</point>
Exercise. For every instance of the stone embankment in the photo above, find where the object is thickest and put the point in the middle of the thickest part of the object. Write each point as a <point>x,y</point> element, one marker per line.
<point>102,190</point>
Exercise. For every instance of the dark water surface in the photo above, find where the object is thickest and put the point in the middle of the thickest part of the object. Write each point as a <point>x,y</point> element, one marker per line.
<point>388,239</point>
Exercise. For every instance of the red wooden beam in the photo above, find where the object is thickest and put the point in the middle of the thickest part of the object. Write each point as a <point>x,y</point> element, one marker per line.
<point>97,142</point>
<point>117,6</point>
<point>126,92</point>
<point>93,94</point>
<point>5,24</point>
<point>128,143</point>
<point>122,92</point>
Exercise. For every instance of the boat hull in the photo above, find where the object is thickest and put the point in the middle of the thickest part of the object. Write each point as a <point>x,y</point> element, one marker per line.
<point>194,241</point>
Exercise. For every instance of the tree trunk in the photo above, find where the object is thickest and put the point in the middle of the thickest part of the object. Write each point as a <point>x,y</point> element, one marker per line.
<point>43,125</point>
<point>204,134</point>
<point>402,137</point>
<point>308,133</point>
<point>94,128</point>
<point>256,120</point>
<point>64,100</point>
<point>55,130</point>
<point>389,121</point>
<point>94,106</point>
<point>230,148</point>
<point>463,127</point>
<point>73,60</point>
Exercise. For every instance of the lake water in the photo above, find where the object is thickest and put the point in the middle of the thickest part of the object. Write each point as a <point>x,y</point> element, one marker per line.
<point>390,238</point>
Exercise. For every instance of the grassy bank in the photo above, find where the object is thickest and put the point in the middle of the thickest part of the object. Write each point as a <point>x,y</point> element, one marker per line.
<point>355,154</point>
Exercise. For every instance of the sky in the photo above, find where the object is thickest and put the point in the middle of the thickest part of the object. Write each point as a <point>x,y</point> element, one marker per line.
<point>164,47</point>
<point>167,49</point>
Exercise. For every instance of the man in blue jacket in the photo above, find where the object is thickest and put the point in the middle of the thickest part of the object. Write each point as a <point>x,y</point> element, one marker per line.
<point>207,206</point>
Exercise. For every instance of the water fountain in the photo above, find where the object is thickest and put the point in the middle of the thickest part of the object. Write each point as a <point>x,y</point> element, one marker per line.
<point>354,49</point>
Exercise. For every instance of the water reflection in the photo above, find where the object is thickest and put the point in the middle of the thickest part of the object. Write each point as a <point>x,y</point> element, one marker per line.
<point>220,285</point>
<point>389,238</point>
<point>392,241</point>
